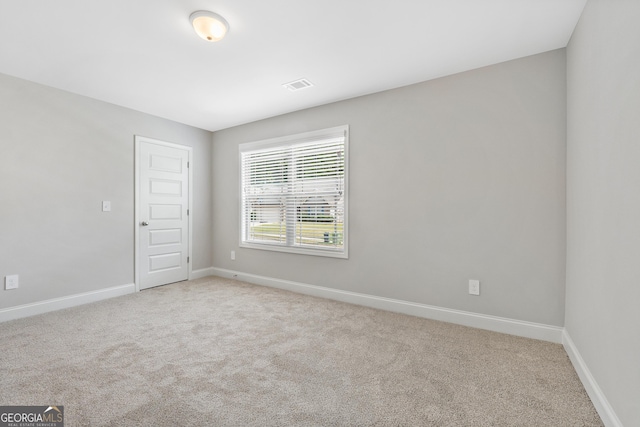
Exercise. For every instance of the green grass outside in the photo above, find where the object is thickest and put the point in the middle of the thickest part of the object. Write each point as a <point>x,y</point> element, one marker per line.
<point>306,232</point>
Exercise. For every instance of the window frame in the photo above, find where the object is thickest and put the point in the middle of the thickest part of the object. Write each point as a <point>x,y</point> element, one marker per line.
<point>288,141</point>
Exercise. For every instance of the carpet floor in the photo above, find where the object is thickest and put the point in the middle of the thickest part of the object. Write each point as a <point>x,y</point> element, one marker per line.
<point>217,352</point>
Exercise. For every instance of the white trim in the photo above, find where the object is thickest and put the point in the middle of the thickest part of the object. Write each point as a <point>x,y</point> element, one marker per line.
<point>136,257</point>
<point>136,213</point>
<point>331,253</point>
<point>475,320</point>
<point>600,402</point>
<point>333,132</point>
<point>54,304</point>
<point>203,272</point>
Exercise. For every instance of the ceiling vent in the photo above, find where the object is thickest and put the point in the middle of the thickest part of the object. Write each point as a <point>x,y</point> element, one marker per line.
<point>298,84</point>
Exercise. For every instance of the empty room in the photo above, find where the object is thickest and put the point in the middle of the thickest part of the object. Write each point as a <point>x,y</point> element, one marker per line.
<point>320,213</point>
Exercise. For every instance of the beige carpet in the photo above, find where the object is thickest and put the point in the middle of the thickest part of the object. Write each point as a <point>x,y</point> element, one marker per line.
<point>216,352</point>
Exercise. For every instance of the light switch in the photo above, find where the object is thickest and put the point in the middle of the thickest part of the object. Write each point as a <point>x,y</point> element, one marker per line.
<point>474,287</point>
<point>106,206</point>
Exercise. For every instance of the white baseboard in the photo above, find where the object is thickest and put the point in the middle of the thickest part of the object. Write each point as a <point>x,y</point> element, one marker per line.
<point>606,412</point>
<point>199,274</point>
<point>40,307</point>
<point>475,320</point>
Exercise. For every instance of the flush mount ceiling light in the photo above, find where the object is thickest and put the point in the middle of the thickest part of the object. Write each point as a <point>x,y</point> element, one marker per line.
<point>208,25</point>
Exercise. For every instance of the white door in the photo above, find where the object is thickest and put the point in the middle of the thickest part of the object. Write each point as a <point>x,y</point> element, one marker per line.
<point>162,213</point>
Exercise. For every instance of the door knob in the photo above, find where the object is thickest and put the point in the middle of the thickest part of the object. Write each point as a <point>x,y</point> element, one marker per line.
<point>144,223</point>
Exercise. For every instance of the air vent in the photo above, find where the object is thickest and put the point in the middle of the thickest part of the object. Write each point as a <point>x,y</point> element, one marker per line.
<point>298,84</point>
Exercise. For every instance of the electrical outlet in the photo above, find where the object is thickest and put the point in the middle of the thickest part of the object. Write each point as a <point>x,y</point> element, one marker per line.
<point>11,282</point>
<point>233,255</point>
<point>474,287</point>
<point>106,206</point>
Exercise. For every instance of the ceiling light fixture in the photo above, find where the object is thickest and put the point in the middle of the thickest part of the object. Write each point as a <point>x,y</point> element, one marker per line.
<point>208,25</point>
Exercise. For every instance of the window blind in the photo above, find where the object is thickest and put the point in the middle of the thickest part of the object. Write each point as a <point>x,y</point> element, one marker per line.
<point>294,192</point>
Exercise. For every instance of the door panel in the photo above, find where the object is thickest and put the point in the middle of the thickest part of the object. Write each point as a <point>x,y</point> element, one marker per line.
<point>164,262</point>
<point>165,188</point>
<point>165,212</point>
<point>163,224</point>
<point>165,237</point>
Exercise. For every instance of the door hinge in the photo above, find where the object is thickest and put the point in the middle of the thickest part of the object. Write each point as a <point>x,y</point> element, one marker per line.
<point>187,211</point>
<point>187,260</point>
<point>187,165</point>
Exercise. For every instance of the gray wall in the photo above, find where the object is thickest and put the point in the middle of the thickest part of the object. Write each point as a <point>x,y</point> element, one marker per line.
<point>603,202</point>
<point>453,179</point>
<point>60,155</point>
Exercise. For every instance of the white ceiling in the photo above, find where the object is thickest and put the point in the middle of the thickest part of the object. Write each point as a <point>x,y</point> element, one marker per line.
<point>143,54</point>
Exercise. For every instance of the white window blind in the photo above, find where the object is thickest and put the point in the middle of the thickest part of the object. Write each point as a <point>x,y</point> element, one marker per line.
<point>294,193</point>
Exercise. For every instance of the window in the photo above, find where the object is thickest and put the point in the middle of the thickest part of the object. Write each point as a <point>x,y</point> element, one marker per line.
<point>294,193</point>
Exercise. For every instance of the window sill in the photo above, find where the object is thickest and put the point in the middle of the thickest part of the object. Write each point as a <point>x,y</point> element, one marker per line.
<point>331,253</point>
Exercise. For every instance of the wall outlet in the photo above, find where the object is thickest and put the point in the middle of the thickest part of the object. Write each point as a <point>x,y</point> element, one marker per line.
<point>106,206</point>
<point>11,282</point>
<point>474,287</point>
<point>233,255</point>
